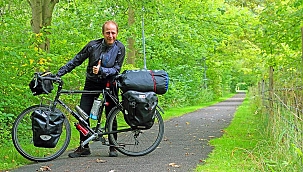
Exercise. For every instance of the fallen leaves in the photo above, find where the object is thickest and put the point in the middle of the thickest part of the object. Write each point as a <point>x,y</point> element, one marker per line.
<point>165,139</point>
<point>174,165</point>
<point>44,168</point>
<point>202,161</point>
<point>187,154</point>
<point>98,160</point>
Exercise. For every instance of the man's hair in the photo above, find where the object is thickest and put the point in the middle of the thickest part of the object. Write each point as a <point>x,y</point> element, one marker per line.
<point>110,21</point>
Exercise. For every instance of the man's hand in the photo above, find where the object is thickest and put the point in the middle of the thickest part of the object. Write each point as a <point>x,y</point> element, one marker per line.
<point>97,68</point>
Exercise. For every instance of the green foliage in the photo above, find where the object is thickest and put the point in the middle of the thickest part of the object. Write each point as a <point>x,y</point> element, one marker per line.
<point>231,42</point>
<point>6,122</point>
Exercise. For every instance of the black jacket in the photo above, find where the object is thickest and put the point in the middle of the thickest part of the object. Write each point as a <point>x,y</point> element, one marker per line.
<point>111,59</point>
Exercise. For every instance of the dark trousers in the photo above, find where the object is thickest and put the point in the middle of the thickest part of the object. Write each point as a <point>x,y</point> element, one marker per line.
<point>87,101</point>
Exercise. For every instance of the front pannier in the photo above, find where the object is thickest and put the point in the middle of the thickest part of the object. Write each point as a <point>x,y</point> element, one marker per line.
<point>41,87</point>
<point>144,81</point>
<point>47,127</point>
<point>140,108</point>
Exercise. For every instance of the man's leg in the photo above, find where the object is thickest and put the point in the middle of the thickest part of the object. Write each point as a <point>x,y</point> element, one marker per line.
<point>111,104</point>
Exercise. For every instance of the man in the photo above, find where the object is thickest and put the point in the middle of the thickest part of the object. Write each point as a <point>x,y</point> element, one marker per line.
<point>105,57</point>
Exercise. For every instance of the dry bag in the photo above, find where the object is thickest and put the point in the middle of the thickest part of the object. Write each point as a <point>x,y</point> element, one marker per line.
<point>144,81</point>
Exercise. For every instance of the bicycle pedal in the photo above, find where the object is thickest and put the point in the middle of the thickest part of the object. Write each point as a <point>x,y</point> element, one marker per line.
<point>102,139</point>
<point>97,139</point>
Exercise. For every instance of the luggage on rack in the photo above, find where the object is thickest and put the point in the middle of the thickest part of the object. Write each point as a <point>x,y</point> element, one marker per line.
<point>47,127</point>
<point>140,108</point>
<point>144,81</point>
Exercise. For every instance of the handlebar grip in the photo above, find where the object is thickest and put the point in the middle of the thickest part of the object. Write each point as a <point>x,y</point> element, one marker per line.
<point>48,76</point>
<point>117,77</point>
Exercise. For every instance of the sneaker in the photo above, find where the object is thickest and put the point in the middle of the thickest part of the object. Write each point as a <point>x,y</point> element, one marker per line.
<point>112,152</point>
<point>79,152</point>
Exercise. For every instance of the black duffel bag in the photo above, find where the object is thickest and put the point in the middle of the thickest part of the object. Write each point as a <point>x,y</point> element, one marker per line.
<point>140,108</point>
<point>144,81</point>
<point>47,127</point>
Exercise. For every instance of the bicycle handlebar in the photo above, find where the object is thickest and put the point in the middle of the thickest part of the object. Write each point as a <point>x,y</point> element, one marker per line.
<point>47,76</point>
<point>52,77</point>
<point>57,79</point>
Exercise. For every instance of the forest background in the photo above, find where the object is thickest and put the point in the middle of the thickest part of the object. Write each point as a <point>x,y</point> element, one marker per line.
<point>209,48</point>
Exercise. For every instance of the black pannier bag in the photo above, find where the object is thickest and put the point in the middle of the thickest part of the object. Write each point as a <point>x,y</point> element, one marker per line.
<point>47,127</point>
<point>140,108</point>
<point>144,81</point>
<point>36,85</point>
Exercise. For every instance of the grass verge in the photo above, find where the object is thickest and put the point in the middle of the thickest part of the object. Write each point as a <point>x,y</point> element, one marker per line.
<point>12,159</point>
<point>235,150</point>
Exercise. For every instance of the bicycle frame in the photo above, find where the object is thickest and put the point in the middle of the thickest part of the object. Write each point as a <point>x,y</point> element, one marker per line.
<point>131,141</point>
<point>105,93</point>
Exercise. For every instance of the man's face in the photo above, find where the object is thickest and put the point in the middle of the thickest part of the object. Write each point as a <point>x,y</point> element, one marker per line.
<point>110,33</point>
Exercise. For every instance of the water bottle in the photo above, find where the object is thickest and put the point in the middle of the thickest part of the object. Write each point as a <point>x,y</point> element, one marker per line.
<point>95,109</point>
<point>81,113</point>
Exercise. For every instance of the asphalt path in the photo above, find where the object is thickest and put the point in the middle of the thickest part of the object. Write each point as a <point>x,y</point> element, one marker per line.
<point>185,144</point>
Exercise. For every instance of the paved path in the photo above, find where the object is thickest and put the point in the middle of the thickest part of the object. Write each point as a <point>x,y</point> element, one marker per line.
<point>185,145</point>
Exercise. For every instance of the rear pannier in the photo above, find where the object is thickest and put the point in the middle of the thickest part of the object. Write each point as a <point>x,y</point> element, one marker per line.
<point>140,108</point>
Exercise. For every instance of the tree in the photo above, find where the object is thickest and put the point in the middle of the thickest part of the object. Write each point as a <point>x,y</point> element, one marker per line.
<point>42,11</point>
<point>131,41</point>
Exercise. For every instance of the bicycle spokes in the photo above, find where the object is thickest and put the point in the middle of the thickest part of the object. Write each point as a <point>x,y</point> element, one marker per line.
<point>134,142</point>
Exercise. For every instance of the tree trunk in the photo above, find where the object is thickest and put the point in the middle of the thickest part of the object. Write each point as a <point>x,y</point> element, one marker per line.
<point>42,11</point>
<point>131,41</point>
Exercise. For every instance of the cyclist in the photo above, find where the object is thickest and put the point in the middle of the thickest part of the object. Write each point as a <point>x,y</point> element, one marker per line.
<point>105,56</point>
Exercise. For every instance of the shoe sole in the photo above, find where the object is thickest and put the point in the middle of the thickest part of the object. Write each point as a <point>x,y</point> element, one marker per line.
<point>83,155</point>
<point>114,154</point>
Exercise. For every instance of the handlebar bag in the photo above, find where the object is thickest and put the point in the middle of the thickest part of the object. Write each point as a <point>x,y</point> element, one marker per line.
<point>140,108</point>
<point>47,127</point>
<point>36,85</point>
<point>144,81</point>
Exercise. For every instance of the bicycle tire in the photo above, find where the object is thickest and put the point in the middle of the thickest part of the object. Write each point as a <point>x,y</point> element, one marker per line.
<point>22,136</point>
<point>134,142</point>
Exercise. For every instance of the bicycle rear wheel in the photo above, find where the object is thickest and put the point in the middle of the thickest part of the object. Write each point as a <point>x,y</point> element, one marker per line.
<point>22,136</point>
<point>134,142</point>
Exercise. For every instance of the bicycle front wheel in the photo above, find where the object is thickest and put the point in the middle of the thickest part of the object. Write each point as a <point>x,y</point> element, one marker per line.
<point>22,136</point>
<point>134,142</point>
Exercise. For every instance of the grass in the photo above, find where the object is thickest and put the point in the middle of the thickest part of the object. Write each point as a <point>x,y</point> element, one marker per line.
<point>238,148</point>
<point>12,159</point>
